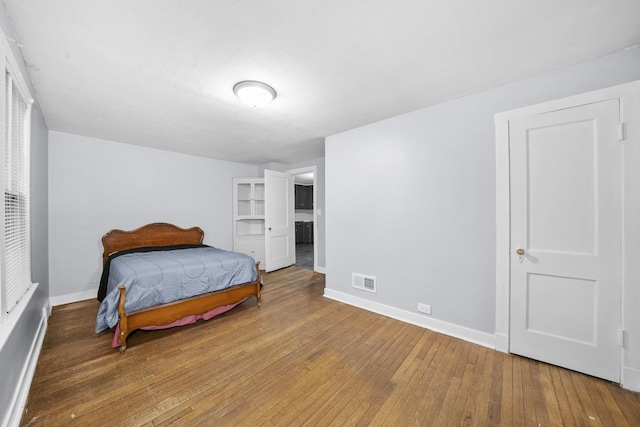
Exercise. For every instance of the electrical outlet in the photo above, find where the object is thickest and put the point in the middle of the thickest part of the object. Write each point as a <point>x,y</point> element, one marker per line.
<point>424,308</point>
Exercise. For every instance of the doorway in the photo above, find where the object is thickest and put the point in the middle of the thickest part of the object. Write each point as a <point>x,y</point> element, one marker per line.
<point>566,205</point>
<point>305,216</point>
<point>566,231</point>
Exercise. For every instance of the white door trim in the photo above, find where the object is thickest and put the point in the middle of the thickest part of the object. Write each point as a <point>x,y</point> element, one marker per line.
<point>629,93</point>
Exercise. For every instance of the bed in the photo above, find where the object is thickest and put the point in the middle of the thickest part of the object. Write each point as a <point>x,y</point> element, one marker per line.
<point>148,255</point>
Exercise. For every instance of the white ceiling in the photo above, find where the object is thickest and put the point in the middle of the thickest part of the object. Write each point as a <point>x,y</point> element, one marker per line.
<point>160,73</point>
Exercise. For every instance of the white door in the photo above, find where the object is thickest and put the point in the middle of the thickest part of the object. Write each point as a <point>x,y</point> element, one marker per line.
<point>279,220</point>
<point>566,222</point>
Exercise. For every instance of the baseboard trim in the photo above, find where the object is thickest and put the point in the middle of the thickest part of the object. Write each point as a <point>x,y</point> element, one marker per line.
<point>29,369</point>
<point>319,269</point>
<point>630,379</point>
<point>75,297</point>
<point>456,331</point>
<point>502,343</point>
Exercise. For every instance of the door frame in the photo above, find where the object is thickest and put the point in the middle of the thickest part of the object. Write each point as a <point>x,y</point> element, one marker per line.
<point>314,170</point>
<point>629,96</point>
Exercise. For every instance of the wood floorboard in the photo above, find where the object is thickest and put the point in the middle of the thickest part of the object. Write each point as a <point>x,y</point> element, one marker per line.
<point>302,360</point>
<point>421,378</point>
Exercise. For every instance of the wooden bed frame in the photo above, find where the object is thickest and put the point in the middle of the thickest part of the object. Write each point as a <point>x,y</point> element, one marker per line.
<point>163,234</point>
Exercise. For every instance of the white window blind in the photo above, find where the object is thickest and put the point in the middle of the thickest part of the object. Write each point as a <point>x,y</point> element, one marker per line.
<point>16,268</point>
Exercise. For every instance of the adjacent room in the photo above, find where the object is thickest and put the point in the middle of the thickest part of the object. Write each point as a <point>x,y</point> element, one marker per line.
<point>376,213</point>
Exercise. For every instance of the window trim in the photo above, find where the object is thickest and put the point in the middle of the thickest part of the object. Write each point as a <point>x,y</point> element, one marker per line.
<point>9,317</point>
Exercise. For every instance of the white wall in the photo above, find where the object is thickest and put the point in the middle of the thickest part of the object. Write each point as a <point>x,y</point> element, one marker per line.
<point>97,185</point>
<point>411,199</point>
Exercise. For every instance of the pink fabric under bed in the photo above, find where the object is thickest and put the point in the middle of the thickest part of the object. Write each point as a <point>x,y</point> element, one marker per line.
<point>187,320</point>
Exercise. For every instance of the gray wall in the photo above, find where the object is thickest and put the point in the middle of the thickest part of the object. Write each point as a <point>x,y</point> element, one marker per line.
<point>97,185</point>
<point>411,200</point>
<point>14,352</point>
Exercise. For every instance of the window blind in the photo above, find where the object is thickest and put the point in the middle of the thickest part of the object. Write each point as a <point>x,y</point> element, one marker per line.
<point>17,240</point>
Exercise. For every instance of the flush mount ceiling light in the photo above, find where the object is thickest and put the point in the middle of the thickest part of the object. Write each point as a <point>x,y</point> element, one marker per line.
<point>254,94</point>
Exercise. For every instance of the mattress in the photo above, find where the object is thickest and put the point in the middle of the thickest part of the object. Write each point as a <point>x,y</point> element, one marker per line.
<point>154,276</point>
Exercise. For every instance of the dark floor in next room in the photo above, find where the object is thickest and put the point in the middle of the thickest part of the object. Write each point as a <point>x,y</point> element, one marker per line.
<point>304,255</point>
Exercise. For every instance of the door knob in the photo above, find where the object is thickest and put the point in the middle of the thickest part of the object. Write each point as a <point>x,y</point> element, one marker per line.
<point>520,251</point>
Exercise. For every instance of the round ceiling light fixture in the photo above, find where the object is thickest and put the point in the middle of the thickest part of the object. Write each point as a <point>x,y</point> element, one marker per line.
<point>254,94</point>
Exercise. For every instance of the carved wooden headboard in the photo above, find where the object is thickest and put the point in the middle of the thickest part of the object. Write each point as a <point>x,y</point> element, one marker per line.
<point>156,234</point>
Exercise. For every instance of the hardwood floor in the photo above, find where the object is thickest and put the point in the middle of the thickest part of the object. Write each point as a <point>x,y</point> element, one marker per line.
<point>302,359</point>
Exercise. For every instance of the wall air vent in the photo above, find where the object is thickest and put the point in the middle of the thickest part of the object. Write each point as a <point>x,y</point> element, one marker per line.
<point>364,282</point>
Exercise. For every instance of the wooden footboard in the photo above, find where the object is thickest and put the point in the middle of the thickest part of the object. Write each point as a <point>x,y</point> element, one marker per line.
<point>166,314</point>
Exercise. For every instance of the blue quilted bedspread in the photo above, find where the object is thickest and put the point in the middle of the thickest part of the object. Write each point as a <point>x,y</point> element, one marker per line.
<point>159,277</point>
